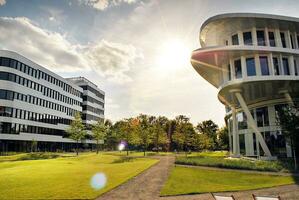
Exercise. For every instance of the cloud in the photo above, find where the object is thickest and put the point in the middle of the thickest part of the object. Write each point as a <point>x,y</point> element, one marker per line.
<point>104,4</point>
<point>2,2</point>
<point>54,51</point>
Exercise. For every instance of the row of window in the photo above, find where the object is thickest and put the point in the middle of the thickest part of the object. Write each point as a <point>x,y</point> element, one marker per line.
<point>92,100</point>
<point>11,95</point>
<point>91,89</point>
<point>261,40</point>
<point>92,109</point>
<point>14,128</point>
<point>260,114</point>
<point>32,116</point>
<point>89,117</point>
<point>38,87</point>
<point>36,73</point>
<point>264,66</point>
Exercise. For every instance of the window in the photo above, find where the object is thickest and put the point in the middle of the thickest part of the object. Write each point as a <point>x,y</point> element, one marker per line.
<point>262,117</point>
<point>283,40</point>
<point>276,66</point>
<point>238,69</point>
<point>250,66</point>
<point>235,39</point>
<point>247,38</point>
<point>5,62</point>
<point>242,120</point>
<point>260,38</point>
<point>264,65</point>
<point>271,39</point>
<point>286,68</point>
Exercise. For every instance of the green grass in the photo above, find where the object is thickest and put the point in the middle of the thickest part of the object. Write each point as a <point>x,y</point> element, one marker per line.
<point>65,177</point>
<point>137,153</point>
<point>222,162</point>
<point>184,180</point>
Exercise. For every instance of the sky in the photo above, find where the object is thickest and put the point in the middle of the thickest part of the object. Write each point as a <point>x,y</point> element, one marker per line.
<point>137,51</point>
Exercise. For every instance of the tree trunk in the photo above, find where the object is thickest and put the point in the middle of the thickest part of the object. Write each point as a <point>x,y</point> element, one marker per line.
<point>128,149</point>
<point>97,146</point>
<point>77,148</point>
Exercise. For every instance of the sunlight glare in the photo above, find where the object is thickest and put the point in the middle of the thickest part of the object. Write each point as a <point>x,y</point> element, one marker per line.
<point>173,54</point>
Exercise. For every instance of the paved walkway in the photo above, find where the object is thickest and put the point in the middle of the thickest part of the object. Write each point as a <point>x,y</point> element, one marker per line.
<point>147,186</point>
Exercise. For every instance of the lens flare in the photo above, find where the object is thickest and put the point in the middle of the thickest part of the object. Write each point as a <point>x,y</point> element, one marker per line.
<point>98,181</point>
<point>121,146</point>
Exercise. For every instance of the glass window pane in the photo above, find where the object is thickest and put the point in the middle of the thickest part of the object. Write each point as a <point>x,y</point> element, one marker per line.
<point>286,68</point>
<point>262,117</point>
<point>264,65</point>
<point>250,65</point>
<point>247,38</point>
<point>260,38</point>
<point>238,69</point>
<point>271,39</point>
<point>235,40</point>
<point>276,66</point>
<point>296,68</point>
<point>283,40</point>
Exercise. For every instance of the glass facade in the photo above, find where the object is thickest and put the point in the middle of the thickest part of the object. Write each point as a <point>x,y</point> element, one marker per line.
<point>286,68</point>
<point>283,39</point>
<point>264,65</point>
<point>235,39</point>
<point>238,69</point>
<point>271,39</point>
<point>260,38</point>
<point>276,66</point>
<point>250,66</point>
<point>247,38</point>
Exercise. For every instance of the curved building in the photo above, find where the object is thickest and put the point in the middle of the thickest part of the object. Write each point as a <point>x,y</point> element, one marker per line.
<point>37,104</point>
<point>253,60</point>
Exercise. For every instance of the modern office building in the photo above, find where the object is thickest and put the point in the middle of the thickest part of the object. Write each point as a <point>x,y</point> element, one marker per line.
<point>253,60</point>
<point>36,105</point>
<point>93,101</point>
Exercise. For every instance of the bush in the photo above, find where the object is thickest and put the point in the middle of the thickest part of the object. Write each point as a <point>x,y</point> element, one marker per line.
<point>124,159</point>
<point>38,156</point>
<point>221,162</point>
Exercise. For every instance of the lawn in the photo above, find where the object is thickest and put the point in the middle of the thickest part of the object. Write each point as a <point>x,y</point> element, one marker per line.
<point>186,180</point>
<point>65,177</point>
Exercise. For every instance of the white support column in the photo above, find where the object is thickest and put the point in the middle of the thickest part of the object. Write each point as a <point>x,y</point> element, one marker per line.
<point>240,36</point>
<point>254,36</point>
<point>295,40</point>
<point>277,38</point>
<point>288,39</point>
<point>257,65</point>
<point>267,36</point>
<point>291,65</point>
<point>243,67</point>
<point>236,152</point>
<point>270,58</point>
<point>252,124</point>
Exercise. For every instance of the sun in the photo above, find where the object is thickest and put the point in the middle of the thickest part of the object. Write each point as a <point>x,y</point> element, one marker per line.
<point>173,54</point>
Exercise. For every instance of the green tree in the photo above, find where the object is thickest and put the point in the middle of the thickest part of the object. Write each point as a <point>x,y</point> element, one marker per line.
<point>223,138</point>
<point>160,129</point>
<point>288,119</point>
<point>208,128</point>
<point>76,130</point>
<point>33,146</point>
<point>204,142</point>
<point>99,131</point>
<point>145,129</point>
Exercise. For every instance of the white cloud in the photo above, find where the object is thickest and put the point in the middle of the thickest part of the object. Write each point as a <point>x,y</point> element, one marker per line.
<point>54,51</point>
<point>2,2</point>
<point>104,4</point>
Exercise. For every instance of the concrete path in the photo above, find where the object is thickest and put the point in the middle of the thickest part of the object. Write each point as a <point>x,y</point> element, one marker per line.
<point>145,186</point>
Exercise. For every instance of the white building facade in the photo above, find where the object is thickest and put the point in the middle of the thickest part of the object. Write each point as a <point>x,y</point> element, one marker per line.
<point>35,104</point>
<point>253,60</point>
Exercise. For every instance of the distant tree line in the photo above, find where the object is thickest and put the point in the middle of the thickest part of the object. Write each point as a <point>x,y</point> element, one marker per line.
<point>150,133</point>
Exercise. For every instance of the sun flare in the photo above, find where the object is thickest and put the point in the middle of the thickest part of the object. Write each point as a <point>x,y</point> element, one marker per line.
<point>173,54</point>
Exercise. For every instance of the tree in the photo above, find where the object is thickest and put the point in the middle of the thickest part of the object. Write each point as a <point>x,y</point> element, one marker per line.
<point>145,129</point>
<point>77,130</point>
<point>160,132</point>
<point>223,138</point>
<point>99,131</point>
<point>33,146</point>
<point>208,128</point>
<point>204,142</point>
<point>288,119</point>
